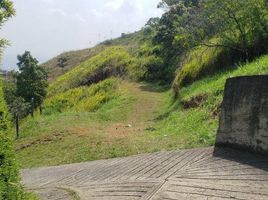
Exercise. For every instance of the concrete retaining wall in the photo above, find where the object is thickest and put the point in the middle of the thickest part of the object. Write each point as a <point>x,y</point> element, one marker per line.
<point>244,115</point>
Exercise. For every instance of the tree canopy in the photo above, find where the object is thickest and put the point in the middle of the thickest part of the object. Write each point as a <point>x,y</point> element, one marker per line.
<point>238,27</point>
<point>31,80</point>
<point>6,11</point>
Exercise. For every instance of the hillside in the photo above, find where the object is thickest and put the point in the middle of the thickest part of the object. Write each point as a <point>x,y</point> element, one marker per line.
<point>66,61</point>
<point>158,88</point>
<point>137,118</point>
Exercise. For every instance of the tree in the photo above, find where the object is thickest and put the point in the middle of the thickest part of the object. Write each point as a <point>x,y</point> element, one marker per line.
<point>6,11</point>
<point>172,34</point>
<point>9,87</point>
<point>239,25</point>
<point>31,80</point>
<point>9,174</point>
<point>62,62</point>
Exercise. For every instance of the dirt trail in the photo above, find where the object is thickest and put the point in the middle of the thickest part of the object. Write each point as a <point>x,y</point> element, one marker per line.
<point>145,109</point>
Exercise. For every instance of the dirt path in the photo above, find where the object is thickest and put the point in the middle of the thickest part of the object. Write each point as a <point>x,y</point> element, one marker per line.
<point>146,106</point>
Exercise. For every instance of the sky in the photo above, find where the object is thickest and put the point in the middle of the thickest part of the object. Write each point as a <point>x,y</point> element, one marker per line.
<point>47,28</point>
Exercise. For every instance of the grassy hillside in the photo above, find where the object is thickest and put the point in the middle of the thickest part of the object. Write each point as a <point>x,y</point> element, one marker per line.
<point>83,98</point>
<point>93,111</point>
<point>72,59</point>
<point>112,61</point>
<point>141,118</point>
<point>199,62</point>
<point>195,115</point>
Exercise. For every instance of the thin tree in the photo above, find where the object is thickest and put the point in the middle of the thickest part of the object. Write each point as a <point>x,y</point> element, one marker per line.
<point>19,109</point>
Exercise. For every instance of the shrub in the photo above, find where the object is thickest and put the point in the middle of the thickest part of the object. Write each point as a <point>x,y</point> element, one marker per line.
<point>9,178</point>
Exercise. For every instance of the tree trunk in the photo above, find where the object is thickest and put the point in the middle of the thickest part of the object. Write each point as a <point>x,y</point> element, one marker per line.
<point>32,110</point>
<point>41,110</point>
<point>17,126</point>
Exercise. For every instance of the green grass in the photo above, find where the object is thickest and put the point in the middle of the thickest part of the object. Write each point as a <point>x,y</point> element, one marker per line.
<point>69,136</point>
<point>159,122</point>
<point>30,196</point>
<point>198,126</point>
<point>82,98</point>
<point>130,41</point>
<point>112,59</point>
<point>72,193</point>
<point>200,62</point>
<point>73,59</point>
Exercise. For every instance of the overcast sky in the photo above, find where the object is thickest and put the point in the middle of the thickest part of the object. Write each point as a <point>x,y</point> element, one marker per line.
<point>49,27</point>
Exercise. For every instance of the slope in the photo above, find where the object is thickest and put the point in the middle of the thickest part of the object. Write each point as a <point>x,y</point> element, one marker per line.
<point>66,61</point>
<point>142,118</point>
<point>114,130</point>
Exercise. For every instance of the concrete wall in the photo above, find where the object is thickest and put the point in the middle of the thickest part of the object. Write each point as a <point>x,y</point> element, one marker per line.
<point>244,115</point>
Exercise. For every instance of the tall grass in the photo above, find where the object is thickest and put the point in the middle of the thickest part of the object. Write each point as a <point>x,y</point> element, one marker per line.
<point>200,62</point>
<point>86,98</point>
<point>111,59</point>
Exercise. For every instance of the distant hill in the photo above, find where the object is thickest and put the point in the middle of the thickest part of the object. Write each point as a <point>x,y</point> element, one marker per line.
<point>62,63</point>
<point>66,61</point>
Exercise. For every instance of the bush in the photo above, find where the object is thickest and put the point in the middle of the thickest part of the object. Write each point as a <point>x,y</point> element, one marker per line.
<point>9,178</point>
<point>9,186</point>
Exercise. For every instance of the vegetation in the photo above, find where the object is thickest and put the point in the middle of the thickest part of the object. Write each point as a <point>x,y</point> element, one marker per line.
<point>72,59</point>
<point>9,175</point>
<point>6,12</point>
<point>235,30</point>
<point>131,42</point>
<point>111,62</point>
<point>131,123</point>
<point>200,62</point>
<point>93,110</point>
<point>10,188</point>
<point>83,98</point>
<point>8,168</point>
<point>31,81</point>
<point>195,115</point>
<point>238,27</point>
